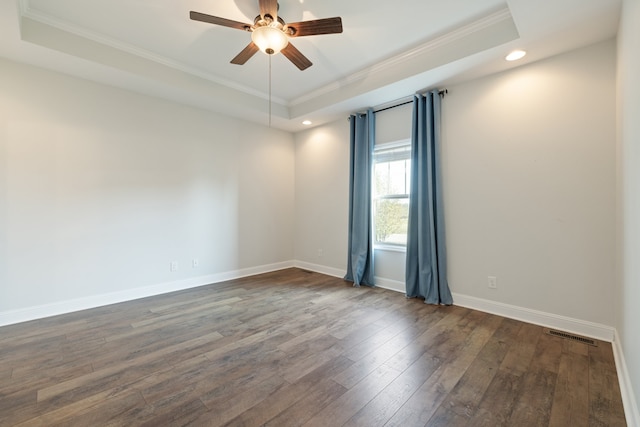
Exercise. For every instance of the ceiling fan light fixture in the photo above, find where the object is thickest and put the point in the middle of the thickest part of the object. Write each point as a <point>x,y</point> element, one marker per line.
<point>269,40</point>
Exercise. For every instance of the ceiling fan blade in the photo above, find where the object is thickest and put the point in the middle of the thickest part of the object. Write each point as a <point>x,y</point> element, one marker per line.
<point>315,27</point>
<point>269,7</point>
<point>245,54</point>
<point>295,56</point>
<point>197,16</point>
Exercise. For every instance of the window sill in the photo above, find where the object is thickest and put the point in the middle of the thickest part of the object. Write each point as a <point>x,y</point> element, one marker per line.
<point>389,248</point>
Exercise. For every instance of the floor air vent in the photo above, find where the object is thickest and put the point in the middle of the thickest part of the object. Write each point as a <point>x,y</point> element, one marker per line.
<point>571,337</point>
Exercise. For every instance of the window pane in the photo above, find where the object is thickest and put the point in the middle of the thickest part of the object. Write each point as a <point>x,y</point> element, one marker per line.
<point>397,177</point>
<point>381,173</point>
<point>391,168</point>
<point>391,217</point>
<point>392,178</point>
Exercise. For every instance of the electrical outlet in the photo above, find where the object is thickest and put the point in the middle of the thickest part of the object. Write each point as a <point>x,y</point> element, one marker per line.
<point>493,282</point>
<point>173,266</point>
<point>195,263</point>
<point>320,253</point>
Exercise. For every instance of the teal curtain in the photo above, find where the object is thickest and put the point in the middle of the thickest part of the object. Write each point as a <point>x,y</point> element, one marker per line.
<point>360,245</point>
<point>426,269</point>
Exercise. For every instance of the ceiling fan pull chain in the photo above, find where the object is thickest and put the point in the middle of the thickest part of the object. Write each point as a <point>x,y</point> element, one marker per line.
<point>270,90</point>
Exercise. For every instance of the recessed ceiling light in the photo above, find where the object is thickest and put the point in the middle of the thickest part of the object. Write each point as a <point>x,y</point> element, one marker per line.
<point>515,55</point>
<point>306,122</point>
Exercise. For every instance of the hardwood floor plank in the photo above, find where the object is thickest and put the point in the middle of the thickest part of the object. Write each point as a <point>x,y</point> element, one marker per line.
<point>11,353</point>
<point>295,367</point>
<point>521,353</point>
<point>301,339</point>
<point>321,395</point>
<point>404,329</point>
<point>463,400</point>
<point>283,398</point>
<point>498,401</point>
<point>36,331</point>
<point>368,364</point>
<point>174,415</point>
<point>195,309</point>
<point>604,392</point>
<point>356,336</point>
<point>197,377</point>
<point>228,410</point>
<point>422,405</point>
<point>35,375</point>
<point>404,351</point>
<point>310,395</point>
<point>340,411</point>
<point>570,405</point>
<point>128,371</point>
<point>237,380</point>
<point>386,403</point>
<point>5,373</point>
<point>191,305</point>
<point>66,414</point>
<point>292,348</point>
<point>115,411</point>
<point>539,383</point>
<point>533,405</point>
<point>18,406</point>
<point>244,347</point>
<point>548,352</point>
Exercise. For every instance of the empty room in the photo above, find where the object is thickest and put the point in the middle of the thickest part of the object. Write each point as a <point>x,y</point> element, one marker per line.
<point>319,213</point>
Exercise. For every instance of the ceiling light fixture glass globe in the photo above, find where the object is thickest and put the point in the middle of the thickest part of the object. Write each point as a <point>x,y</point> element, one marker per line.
<point>270,40</point>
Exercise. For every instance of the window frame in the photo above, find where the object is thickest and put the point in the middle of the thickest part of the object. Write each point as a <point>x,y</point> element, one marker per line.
<point>389,246</point>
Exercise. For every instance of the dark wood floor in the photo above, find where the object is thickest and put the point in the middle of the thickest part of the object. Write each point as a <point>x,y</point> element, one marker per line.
<point>295,348</point>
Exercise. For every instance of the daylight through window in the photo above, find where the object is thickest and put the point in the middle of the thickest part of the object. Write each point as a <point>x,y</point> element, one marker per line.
<point>392,170</point>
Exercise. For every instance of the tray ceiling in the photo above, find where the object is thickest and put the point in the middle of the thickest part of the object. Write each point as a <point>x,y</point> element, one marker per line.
<point>388,50</point>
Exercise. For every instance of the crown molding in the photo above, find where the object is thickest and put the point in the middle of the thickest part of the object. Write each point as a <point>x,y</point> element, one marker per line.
<point>27,12</point>
<point>493,19</point>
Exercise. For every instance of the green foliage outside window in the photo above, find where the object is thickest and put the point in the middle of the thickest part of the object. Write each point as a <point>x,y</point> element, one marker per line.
<point>391,221</point>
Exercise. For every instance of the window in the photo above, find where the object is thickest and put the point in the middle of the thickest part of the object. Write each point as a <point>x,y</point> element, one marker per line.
<point>391,172</point>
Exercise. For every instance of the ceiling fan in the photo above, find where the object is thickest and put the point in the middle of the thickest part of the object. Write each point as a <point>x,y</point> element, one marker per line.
<point>270,33</point>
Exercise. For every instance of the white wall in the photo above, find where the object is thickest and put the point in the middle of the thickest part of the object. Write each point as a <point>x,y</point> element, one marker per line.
<point>529,172</point>
<point>628,301</point>
<point>529,185</point>
<point>100,189</point>
<point>322,194</point>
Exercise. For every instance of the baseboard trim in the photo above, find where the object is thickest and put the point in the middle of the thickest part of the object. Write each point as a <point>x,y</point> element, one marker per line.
<point>549,320</point>
<point>631,411</point>
<point>69,306</point>
<point>323,269</point>
<point>392,285</point>
<point>580,327</point>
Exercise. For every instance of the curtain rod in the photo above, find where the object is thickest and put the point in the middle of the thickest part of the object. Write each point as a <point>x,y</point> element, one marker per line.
<point>393,106</point>
<point>442,93</point>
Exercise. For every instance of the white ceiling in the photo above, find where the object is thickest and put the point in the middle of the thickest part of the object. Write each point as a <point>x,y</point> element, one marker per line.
<point>388,50</point>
